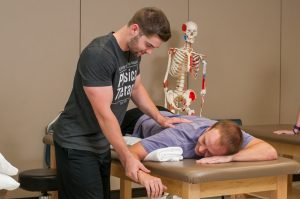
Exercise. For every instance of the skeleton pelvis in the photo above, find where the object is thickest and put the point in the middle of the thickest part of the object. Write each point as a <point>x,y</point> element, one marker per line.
<point>180,100</point>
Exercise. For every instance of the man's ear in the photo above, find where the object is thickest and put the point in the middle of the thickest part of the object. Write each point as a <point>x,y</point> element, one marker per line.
<point>134,29</point>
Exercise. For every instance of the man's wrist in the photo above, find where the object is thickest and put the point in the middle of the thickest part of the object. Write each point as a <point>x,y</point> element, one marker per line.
<point>125,156</point>
<point>296,129</point>
<point>161,119</point>
<point>231,158</point>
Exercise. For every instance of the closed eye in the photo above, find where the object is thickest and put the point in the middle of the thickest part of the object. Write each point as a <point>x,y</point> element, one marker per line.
<point>148,45</point>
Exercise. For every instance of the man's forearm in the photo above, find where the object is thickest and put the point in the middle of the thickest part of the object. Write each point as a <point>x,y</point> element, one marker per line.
<point>142,100</point>
<point>101,99</point>
<point>112,132</point>
<point>138,151</point>
<point>298,119</point>
<point>259,150</point>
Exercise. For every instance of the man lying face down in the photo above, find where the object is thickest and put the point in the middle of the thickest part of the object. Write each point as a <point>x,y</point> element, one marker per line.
<point>205,140</point>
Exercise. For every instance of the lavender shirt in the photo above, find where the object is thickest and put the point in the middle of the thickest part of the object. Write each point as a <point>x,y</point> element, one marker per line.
<point>184,135</point>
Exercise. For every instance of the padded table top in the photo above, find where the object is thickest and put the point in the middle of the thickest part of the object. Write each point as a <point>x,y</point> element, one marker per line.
<point>265,132</point>
<point>188,171</point>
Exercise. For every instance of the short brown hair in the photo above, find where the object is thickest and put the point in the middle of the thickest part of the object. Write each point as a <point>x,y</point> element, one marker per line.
<point>152,21</point>
<point>231,135</point>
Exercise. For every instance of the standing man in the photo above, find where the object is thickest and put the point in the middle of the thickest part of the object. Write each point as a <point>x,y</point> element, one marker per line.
<point>107,76</point>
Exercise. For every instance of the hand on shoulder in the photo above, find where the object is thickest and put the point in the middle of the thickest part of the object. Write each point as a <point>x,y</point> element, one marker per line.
<point>168,122</point>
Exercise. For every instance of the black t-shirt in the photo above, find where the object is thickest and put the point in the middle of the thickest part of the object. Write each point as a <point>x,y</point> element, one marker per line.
<point>102,63</point>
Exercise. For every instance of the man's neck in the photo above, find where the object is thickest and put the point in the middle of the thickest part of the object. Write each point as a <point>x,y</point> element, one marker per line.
<point>122,37</point>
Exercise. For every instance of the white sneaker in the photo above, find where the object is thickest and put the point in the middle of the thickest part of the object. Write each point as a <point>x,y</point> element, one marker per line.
<point>8,183</point>
<point>170,196</point>
<point>6,167</point>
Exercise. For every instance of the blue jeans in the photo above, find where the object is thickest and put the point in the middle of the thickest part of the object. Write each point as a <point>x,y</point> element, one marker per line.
<point>82,174</point>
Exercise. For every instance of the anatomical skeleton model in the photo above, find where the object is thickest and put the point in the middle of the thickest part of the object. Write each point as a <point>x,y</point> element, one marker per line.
<point>183,61</point>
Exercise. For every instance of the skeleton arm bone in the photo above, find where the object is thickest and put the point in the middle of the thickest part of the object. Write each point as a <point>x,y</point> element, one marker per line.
<point>202,56</point>
<point>167,74</point>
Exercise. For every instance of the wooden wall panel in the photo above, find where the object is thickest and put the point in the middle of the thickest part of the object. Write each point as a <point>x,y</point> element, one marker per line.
<point>39,47</point>
<point>242,42</point>
<point>290,67</point>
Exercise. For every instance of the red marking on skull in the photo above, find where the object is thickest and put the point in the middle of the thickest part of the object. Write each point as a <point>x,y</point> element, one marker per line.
<point>183,27</point>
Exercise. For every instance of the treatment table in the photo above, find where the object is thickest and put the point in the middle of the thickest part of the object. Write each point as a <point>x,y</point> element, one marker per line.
<point>286,145</point>
<point>2,193</point>
<point>193,181</point>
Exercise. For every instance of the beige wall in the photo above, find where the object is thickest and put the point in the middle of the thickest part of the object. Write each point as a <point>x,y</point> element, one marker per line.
<point>242,41</point>
<point>290,66</point>
<point>38,52</point>
<point>252,49</point>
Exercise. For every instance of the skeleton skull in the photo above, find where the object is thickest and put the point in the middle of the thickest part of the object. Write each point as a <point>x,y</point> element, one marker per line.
<point>190,30</point>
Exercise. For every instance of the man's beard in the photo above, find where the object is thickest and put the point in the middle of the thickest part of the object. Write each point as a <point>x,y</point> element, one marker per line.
<point>132,45</point>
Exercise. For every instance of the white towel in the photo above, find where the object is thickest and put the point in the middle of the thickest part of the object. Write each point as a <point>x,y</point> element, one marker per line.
<point>168,154</point>
<point>129,140</point>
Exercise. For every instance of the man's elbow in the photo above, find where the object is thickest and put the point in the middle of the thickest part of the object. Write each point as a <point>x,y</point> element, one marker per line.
<point>272,154</point>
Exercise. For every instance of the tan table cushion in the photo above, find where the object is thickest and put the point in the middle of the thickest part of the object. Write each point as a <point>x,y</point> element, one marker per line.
<point>265,132</point>
<point>188,171</point>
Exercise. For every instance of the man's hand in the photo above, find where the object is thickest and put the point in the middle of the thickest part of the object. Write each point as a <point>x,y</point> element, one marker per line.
<point>153,185</point>
<point>168,122</point>
<point>132,166</point>
<point>287,132</point>
<point>215,159</point>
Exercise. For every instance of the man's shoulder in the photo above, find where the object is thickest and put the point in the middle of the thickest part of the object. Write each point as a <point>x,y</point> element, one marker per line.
<point>100,50</point>
<point>98,44</point>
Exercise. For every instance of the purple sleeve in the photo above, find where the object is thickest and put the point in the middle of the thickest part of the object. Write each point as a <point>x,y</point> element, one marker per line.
<point>246,139</point>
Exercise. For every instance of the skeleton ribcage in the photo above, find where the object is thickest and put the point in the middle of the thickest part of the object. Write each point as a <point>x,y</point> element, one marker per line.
<point>179,63</point>
<point>195,64</point>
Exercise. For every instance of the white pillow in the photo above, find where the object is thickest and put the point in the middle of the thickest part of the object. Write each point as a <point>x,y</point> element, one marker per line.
<point>8,183</point>
<point>6,167</point>
<point>129,140</point>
